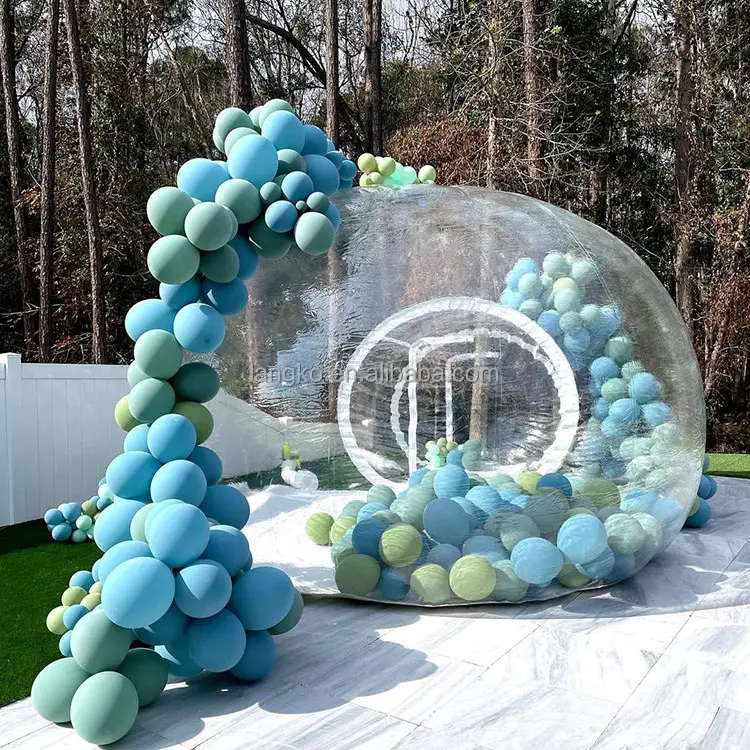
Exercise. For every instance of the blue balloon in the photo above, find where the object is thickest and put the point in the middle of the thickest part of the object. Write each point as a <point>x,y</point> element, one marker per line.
<point>486,499</point>
<point>536,560</point>
<point>644,387</point>
<point>315,140</point>
<point>336,158</point>
<point>202,589</point>
<point>228,299</point>
<point>178,535</point>
<point>477,515</point>
<point>482,544</point>
<point>417,476</point>
<point>600,567</point>
<point>129,475</point>
<point>345,184</point>
<point>113,525</point>
<point>444,555</point>
<point>248,257</point>
<point>64,644</point>
<point>176,296</point>
<point>135,440</point>
<point>347,170</point>
<point>609,322</point>
<point>324,175</point>
<point>615,430</point>
<point>604,368</point>
<point>706,487</point>
<point>281,216</point>
<point>262,598</point>
<point>333,215</point>
<point>549,320</point>
<point>656,413</point>
<point>582,538</point>
<point>208,462</point>
<point>118,553</point>
<point>258,658</point>
<point>178,659</point>
<point>82,578</point>
<point>228,547</point>
<point>180,479</point>
<point>447,522</point>
<point>73,614</point>
<point>296,186</point>
<point>71,511</point>
<point>200,178</point>
<point>578,342</point>
<point>394,583</point>
<point>623,567</point>
<point>199,328</point>
<point>171,437</point>
<point>226,505</point>
<point>167,629</point>
<point>53,517</point>
<point>701,516</point>
<point>253,158</point>
<point>368,510</point>
<point>95,571</point>
<point>451,481</point>
<point>148,315</point>
<point>624,411</point>
<point>138,592</point>
<point>556,481</point>
<point>600,410</point>
<point>284,130</point>
<point>639,501</point>
<point>366,537</point>
<point>216,643</point>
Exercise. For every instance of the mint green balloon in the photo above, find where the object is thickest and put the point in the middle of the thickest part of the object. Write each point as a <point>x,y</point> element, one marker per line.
<point>267,243</point>
<point>235,135</point>
<point>104,708</point>
<point>290,161</point>
<point>84,522</point>
<point>196,381</point>
<point>351,509</point>
<point>220,265</point>
<point>138,524</point>
<point>97,644</point>
<point>318,202</point>
<point>150,399</point>
<point>357,575</point>
<point>229,119</point>
<point>173,259</point>
<point>508,586</point>
<point>158,354</point>
<point>167,208</point>
<point>209,226</point>
<point>624,534</point>
<point>241,198</point>
<point>147,671</point>
<point>430,584</point>
<point>135,374</point>
<point>255,117</point>
<point>274,105</point>
<point>341,549</point>
<point>314,233</point>
<point>54,688</point>
<point>292,618</point>
<point>516,528</point>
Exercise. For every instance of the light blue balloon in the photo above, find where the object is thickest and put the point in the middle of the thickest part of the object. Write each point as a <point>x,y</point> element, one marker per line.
<point>417,476</point>
<point>148,315</point>
<point>200,178</point>
<point>171,437</point>
<point>624,411</point>
<point>369,509</point>
<point>536,560</point>
<point>129,475</point>
<point>336,158</point>
<point>296,186</point>
<point>53,517</point>
<point>248,257</point>
<point>701,516</point>
<point>71,511</point>
<point>281,216</point>
<point>180,479</point>
<point>707,487</point>
<point>228,547</point>
<point>333,215</point>
<point>82,578</point>
<point>73,614</point>
<point>447,522</point>
<point>262,597</point>
<point>609,322</point>
<point>656,413</point>
<point>136,439</point>
<point>202,589</point>
<point>511,298</point>
<point>477,515</point>
<point>600,410</point>
<point>118,554</point>
<point>451,481</point>
<point>199,328</point>
<point>639,501</point>
<point>604,368</point>
<point>482,545</point>
<point>549,320</point>
<point>582,538</point>
<point>208,462</point>
<point>486,499</point>
<point>178,535</point>
<point>167,629</point>
<point>578,342</point>
<point>284,130</point>
<point>315,140</point>
<point>216,643</point>
<point>623,567</point>
<point>64,644</point>
<point>253,158</point>
<point>138,592</point>
<point>324,175</point>
<point>113,525</point>
<point>258,658</point>
<point>444,555</point>
<point>178,659</point>
<point>228,299</point>
<point>176,296</point>
<point>600,566</point>
<point>226,505</point>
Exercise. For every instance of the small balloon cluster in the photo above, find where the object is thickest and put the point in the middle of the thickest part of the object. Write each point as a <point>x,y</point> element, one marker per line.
<point>293,474</point>
<point>82,596</point>
<point>75,521</point>
<point>442,451</point>
<point>177,570</point>
<point>383,170</point>
<point>700,512</point>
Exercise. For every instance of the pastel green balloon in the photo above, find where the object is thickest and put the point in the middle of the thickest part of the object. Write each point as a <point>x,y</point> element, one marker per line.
<point>427,173</point>
<point>318,528</point>
<point>430,583</point>
<point>228,120</point>
<point>97,644</point>
<point>196,381</point>
<point>351,509</point>
<point>386,166</point>
<point>601,492</point>
<point>375,178</point>
<point>241,198</point>
<point>388,517</point>
<point>528,480</point>
<point>357,575</point>
<point>158,354</point>
<point>267,243</point>
<point>138,524</point>
<point>614,389</point>
<point>173,259</point>
<point>508,586</point>
<point>472,578</point>
<point>292,618</point>
<point>235,135</point>
<point>209,226</point>
<point>517,528</point>
<point>73,595</point>
<point>381,493</point>
<point>54,621</point>
<point>571,578</point>
<point>167,208</point>
<point>104,708</point>
<point>54,687</point>
<point>147,671</point>
<point>624,534</point>
<point>150,399</point>
<point>92,601</point>
<point>97,586</point>
<point>314,233</point>
<point>199,416</point>
<point>255,117</point>
<point>339,527</point>
<point>368,163</point>
<point>123,416</point>
<point>400,545</point>
<point>84,522</point>
<point>220,265</point>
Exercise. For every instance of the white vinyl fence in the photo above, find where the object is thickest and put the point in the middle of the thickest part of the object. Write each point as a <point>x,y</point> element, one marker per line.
<point>57,434</point>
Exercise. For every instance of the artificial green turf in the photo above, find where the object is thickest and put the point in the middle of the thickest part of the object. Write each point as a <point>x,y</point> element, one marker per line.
<point>729,464</point>
<point>35,572</point>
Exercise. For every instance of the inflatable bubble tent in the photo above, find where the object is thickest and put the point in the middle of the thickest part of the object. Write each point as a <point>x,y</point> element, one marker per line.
<point>513,382</point>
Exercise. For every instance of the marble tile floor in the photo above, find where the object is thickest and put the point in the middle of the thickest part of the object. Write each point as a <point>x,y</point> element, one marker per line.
<point>659,662</point>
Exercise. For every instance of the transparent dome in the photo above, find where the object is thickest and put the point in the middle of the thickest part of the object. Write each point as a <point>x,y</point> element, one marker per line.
<point>467,332</point>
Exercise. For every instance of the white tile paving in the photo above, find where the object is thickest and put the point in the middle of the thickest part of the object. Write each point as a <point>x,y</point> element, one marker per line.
<point>659,662</point>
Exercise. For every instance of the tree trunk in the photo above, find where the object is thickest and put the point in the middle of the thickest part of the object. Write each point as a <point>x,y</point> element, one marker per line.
<point>333,113</point>
<point>15,161</point>
<point>96,260</point>
<point>368,34</point>
<point>237,62</point>
<point>685,260</point>
<point>532,85</point>
<point>47,218</point>
<point>498,23</point>
<point>377,76</point>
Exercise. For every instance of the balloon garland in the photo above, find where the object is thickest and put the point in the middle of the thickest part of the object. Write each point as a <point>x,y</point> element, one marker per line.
<point>177,571</point>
